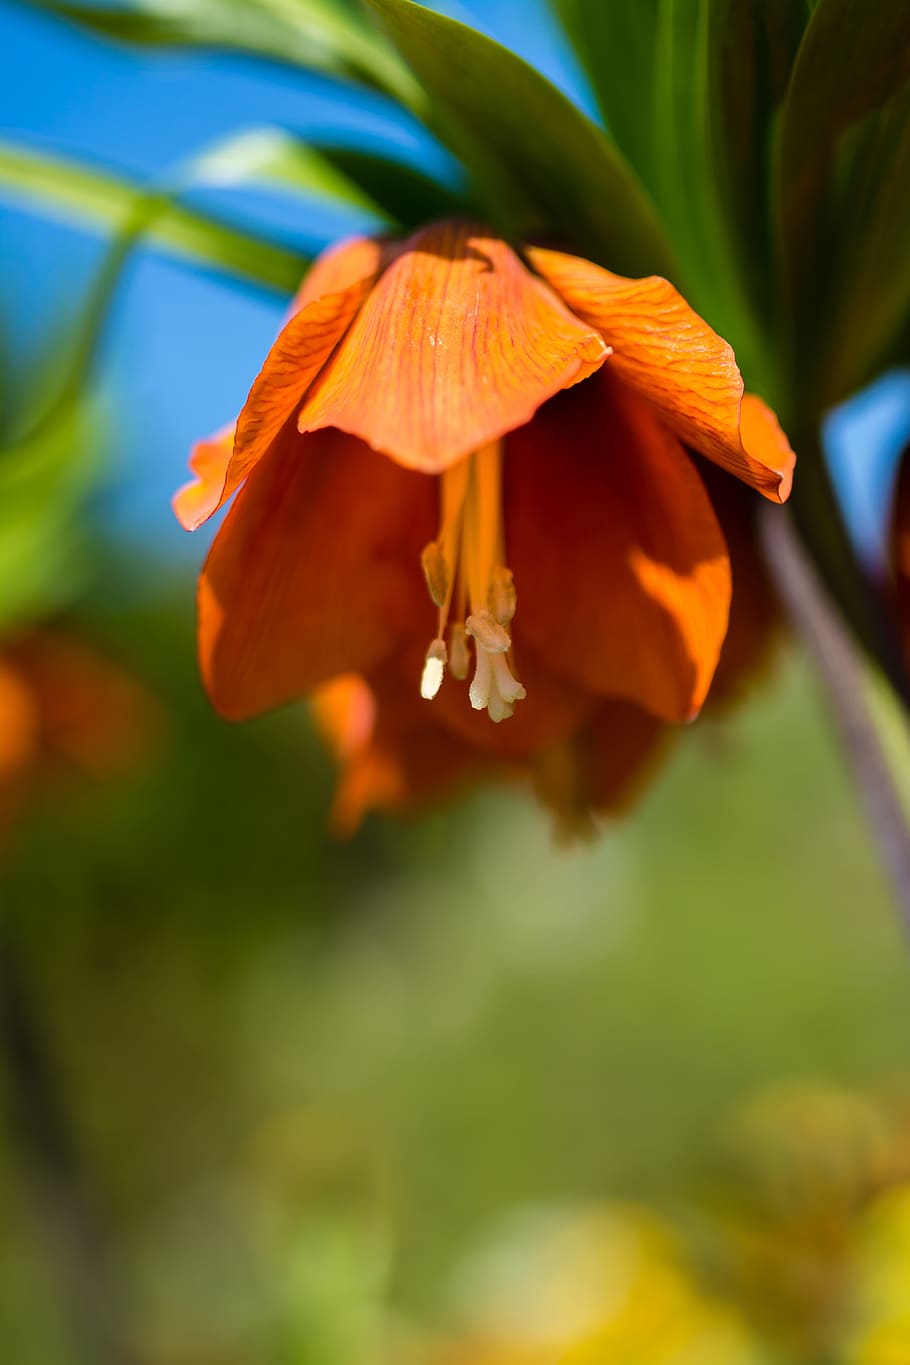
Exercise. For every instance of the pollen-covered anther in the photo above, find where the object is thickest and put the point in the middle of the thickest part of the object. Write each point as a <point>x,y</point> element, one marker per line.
<point>502,597</point>
<point>434,667</point>
<point>436,572</point>
<point>488,633</point>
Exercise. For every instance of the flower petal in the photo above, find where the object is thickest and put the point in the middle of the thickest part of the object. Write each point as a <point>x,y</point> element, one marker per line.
<point>195,501</point>
<point>665,352</point>
<point>602,769</point>
<point>19,722</point>
<point>342,265</point>
<point>315,572</point>
<point>457,344</point>
<point>392,755</point>
<point>301,350</point>
<point>621,568</point>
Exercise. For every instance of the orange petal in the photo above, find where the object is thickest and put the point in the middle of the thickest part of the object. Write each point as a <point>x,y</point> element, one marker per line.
<point>670,356</point>
<point>602,769</point>
<point>457,344</point>
<point>209,459</point>
<point>92,713</point>
<point>755,627</point>
<point>393,756</point>
<point>315,572</point>
<point>342,265</point>
<point>19,723</point>
<point>300,352</point>
<point>621,569</point>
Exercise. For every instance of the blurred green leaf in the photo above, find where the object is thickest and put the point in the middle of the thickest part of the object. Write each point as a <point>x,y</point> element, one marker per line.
<point>44,481</point>
<point>103,200</point>
<point>540,164</point>
<point>322,35</point>
<point>872,302</point>
<point>853,58</point>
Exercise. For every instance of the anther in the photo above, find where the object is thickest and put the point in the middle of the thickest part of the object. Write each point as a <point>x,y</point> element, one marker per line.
<point>502,598</point>
<point>434,668</point>
<point>436,572</point>
<point>488,633</point>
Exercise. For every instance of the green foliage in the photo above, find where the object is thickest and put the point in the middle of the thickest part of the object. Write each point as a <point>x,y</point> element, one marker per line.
<point>853,60</point>
<point>322,35</point>
<point>100,200</point>
<point>540,165</point>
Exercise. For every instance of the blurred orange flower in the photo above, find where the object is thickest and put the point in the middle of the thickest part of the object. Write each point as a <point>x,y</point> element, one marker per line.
<point>64,706</point>
<point>462,362</point>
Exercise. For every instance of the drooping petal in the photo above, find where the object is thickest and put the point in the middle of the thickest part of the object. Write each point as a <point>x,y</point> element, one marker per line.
<point>301,350</point>
<point>621,568</point>
<point>392,754</point>
<point>457,344</point>
<point>209,459</point>
<point>601,769</point>
<point>340,266</point>
<point>315,572</point>
<point>755,628</point>
<point>670,356</point>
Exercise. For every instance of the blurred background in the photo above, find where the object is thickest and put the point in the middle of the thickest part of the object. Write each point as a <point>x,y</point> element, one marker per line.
<point>446,1092</point>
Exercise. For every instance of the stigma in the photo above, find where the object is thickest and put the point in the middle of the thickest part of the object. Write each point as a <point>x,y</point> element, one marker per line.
<point>472,588</point>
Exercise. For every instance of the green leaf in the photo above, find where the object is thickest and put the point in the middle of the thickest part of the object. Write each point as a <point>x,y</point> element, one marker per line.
<point>872,304</point>
<point>540,165</point>
<point>321,35</point>
<point>101,200</point>
<point>853,58</point>
<point>403,195</point>
<point>615,44</point>
<point>44,481</point>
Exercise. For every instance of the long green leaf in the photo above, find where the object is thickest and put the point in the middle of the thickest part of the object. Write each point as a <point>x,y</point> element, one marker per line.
<point>853,58</point>
<point>614,42</point>
<point>104,201</point>
<point>872,304</point>
<point>322,35</point>
<point>540,164</point>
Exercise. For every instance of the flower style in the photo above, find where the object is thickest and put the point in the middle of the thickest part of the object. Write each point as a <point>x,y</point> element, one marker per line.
<point>518,425</point>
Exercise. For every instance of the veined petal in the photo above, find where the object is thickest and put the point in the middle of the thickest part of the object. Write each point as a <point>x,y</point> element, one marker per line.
<point>621,567</point>
<point>668,355</point>
<point>457,344</point>
<point>302,348</point>
<point>315,572</point>
<point>209,459</point>
<point>340,266</point>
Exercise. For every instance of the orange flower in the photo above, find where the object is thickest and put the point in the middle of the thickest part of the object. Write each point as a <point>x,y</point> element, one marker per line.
<point>63,705</point>
<point>521,428</point>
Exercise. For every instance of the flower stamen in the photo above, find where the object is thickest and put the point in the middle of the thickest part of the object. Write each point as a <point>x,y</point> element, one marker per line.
<point>466,562</point>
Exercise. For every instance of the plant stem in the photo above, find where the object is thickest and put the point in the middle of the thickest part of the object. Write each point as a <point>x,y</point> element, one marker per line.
<point>840,667</point>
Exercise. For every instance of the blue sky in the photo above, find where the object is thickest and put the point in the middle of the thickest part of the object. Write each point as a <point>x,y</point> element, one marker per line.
<point>182,347</point>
